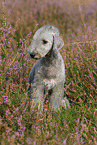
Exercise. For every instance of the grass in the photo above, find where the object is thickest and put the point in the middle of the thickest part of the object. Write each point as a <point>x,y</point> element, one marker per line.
<point>20,124</point>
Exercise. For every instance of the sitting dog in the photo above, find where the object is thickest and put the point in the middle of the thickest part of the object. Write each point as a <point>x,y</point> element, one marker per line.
<point>49,70</point>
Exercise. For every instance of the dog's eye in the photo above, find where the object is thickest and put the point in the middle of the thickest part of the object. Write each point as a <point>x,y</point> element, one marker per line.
<point>44,41</point>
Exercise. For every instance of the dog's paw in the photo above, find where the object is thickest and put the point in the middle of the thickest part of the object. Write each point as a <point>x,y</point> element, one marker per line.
<point>65,103</point>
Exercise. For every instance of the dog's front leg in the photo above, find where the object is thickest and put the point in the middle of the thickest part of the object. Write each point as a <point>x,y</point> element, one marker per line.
<point>37,96</point>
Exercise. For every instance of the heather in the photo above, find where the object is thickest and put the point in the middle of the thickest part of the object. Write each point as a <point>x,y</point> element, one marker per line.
<point>77,22</point>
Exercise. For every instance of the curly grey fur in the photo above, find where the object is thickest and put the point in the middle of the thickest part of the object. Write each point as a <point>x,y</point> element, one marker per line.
<point>49,70</point>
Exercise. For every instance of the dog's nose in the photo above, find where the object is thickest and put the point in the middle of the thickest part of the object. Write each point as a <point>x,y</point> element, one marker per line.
<point>32,55</point>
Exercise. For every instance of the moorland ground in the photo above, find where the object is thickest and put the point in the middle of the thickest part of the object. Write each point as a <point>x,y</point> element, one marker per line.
<point>77,22</point>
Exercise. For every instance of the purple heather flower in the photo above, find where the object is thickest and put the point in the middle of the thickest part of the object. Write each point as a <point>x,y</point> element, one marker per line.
<point>5,98</point>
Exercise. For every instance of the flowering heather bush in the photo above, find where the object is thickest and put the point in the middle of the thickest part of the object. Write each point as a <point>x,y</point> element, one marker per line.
<point>21,124</point>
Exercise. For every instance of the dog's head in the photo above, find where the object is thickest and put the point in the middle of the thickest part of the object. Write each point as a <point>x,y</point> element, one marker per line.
<point>45,39</point>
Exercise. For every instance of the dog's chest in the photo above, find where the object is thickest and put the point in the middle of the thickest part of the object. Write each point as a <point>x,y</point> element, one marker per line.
<point>51,71</point>
<point>53,75</point>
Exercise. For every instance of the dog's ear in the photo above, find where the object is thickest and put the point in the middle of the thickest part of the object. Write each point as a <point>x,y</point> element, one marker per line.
<point>58,42</point>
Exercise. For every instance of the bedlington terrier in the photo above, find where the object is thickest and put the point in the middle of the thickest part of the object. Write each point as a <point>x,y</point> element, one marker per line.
<point>49,70</point>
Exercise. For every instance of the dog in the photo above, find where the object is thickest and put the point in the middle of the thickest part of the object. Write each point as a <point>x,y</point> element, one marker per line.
<point>48,73</point>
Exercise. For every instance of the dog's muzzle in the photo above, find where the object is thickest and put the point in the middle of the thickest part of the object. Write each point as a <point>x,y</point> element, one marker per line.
<point>35,56</point>
<point>32,55</point>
